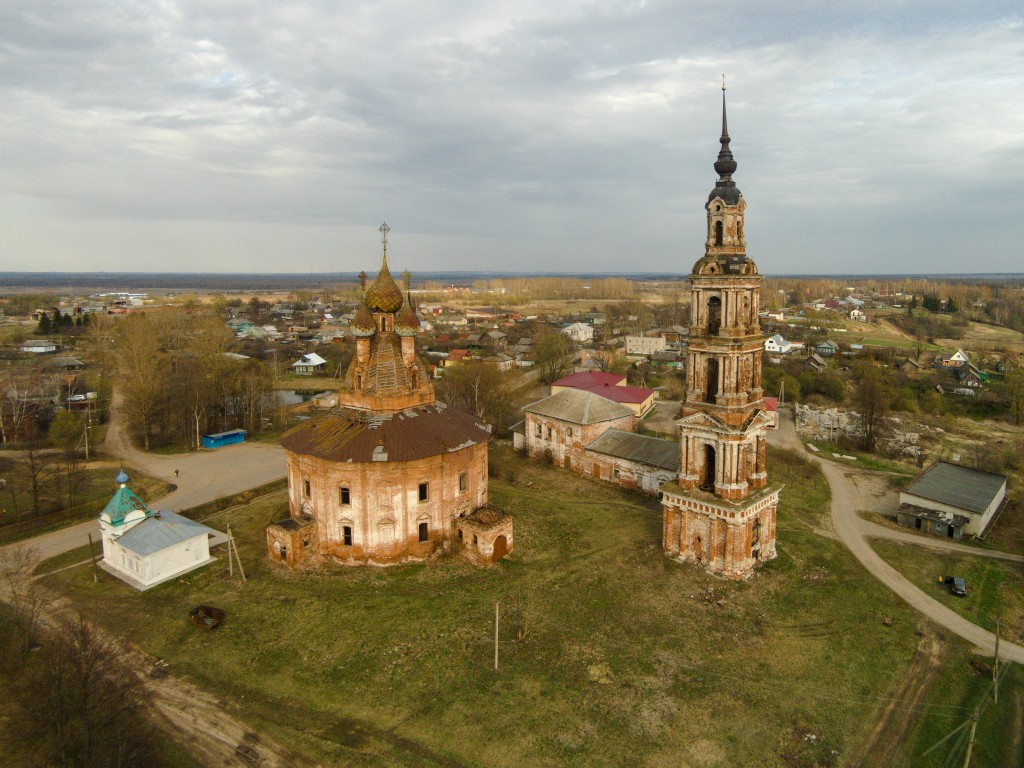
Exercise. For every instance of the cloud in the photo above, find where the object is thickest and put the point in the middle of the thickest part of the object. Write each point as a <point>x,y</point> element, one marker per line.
<point>507,135</point>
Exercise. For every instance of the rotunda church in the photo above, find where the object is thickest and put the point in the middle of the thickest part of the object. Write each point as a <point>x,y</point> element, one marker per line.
<point>390,474</point>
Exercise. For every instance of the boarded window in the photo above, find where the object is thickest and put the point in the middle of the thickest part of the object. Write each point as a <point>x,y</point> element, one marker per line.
<point>345,496</point>
<point>424,493</point>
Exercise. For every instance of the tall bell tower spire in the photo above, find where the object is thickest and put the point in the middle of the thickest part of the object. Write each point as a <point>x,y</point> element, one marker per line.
<point>720,511</point>
<point>725,165</point>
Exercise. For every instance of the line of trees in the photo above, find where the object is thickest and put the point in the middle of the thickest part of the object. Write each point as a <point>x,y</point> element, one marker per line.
<point>178,383</point>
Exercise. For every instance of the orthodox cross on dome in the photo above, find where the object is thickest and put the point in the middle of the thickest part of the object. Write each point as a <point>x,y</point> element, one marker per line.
<point>384,229</point>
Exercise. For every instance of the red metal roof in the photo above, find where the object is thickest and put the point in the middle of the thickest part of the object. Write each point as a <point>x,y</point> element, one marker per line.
<point>605,385</point>
<point>590,379</point>
<point>347,434</point>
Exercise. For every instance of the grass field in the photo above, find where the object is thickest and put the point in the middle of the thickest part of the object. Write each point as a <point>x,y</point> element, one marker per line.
<point>962,684</point>
<point>610,653</point>
<point>995,588</point>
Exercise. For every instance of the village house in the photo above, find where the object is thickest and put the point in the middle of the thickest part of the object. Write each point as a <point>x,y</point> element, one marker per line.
<point>309,364</point>
<point>579,332</point>
<point>815,362</point>
<point>954,360</point>
<point>645,345</point>
<point>826,348</point>
<point>777,345</point>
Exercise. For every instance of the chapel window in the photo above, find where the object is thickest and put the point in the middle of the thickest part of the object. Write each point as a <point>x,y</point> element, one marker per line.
<point>345,497</point>
<point>719,230</point>
<point>305,488</point>
<point>346,535</point>
<point>540,431</point>
<point>463,482</point>
<point>424,492</point>
<point>424,532</point>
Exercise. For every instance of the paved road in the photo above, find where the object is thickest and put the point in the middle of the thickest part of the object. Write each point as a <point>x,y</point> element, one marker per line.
<point>203,476</point>
<point>851,491</point>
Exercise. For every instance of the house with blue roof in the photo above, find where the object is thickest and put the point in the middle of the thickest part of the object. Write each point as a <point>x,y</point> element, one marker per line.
<point>144,547</point>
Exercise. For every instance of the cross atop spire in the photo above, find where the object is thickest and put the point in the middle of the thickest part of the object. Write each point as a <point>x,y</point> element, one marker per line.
<point>384,229</point>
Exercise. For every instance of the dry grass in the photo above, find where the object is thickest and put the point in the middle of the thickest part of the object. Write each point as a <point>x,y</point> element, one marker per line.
<point>611,653</point>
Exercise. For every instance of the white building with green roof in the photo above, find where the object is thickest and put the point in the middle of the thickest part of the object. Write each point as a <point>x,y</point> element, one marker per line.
<point>144,547</point>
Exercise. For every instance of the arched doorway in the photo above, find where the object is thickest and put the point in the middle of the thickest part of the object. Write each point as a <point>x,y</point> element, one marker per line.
<point>709,469</point>
<point>500,549</point>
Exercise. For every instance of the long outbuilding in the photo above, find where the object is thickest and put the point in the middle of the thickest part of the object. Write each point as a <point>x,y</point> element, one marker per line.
<point>951,500</point>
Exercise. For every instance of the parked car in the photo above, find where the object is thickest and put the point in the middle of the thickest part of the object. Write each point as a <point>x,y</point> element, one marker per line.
<point>957,586</point>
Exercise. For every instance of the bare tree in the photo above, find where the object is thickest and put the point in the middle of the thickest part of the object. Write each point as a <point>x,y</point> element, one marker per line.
<point>139,360</point>
<point>27,599</point>
<point>84,706</point>
<point>873,400</point>
<point>552,355</point>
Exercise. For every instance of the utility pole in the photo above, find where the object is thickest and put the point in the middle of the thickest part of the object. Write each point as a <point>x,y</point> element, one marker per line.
<point>92,556</point>
<point>995,668</point>
<point>233,549</point>
<point>497,618</point>
<point>970,742</point>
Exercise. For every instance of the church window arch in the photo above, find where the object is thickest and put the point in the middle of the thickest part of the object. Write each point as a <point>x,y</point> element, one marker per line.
<point>719,232</point>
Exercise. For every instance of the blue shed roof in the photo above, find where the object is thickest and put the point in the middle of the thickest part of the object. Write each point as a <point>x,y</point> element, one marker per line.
<point>159,531</point>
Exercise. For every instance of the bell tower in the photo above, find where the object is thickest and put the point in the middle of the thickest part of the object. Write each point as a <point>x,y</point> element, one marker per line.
<point>721,510</point>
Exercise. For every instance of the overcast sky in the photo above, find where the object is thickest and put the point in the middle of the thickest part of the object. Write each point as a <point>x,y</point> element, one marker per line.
<point>565,136</point>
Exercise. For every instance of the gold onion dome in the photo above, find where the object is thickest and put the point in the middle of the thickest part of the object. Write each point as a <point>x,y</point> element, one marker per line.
<point>406,323</point>
<point>362,323</point>
<point>384,295</point>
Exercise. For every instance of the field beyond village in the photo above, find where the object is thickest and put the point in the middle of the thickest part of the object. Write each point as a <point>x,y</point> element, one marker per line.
<point>610,653</point>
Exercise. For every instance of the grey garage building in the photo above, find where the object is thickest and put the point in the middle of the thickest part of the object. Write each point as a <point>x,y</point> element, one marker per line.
<point>951,500</point>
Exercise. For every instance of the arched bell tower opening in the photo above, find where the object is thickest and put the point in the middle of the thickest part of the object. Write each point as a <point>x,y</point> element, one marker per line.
<point>714,315</point>
<point>711,380</point>
<point>722,488</point>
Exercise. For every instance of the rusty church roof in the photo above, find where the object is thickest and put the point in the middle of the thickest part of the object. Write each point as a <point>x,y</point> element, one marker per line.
<point>347,434</point>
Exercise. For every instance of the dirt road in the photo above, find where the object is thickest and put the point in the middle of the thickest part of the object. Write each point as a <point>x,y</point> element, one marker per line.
<point>853,490</point>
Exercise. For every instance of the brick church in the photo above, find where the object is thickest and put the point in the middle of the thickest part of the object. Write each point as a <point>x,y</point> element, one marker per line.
<point>390,474</point>
<point>720,511</point>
